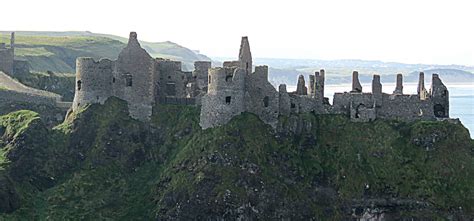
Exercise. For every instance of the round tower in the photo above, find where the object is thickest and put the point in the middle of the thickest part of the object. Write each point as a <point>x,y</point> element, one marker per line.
<point>93,81</point>
<point>225,97</point>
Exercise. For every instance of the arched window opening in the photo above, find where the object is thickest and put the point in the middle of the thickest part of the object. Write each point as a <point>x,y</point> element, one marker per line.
<point>227,99</point>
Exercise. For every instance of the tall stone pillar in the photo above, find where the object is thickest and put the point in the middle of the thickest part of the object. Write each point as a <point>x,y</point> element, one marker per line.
<point>12,40</point>
<point>399,87</point>
<point>301,87</point>
<point>319,85</point>
<point>421,90</point>
<point>356,86</point>
<point>284,100</point>
<point>377,90</point>
<point>311,89</point>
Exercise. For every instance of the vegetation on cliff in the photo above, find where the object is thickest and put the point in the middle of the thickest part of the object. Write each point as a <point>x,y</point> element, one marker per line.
<point>101,164</point>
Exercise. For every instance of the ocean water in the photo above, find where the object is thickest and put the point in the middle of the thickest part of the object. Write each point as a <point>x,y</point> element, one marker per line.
<point>461,98</point>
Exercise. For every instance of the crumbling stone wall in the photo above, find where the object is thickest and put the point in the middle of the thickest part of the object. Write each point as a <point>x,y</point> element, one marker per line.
<point>201,69</point>
<point>172,80</point>
<point>261,97</point>
<point>369,106</point>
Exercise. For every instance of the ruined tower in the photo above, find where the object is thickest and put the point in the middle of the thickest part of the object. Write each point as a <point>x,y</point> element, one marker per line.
<point>93,82</point>
<point>245,56</point>
<point>7,55</point>
<point>225,96</point>
<point>133,78</point>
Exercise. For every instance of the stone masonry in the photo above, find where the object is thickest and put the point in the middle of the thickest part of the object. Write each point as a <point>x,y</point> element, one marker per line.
<point>234,89</point>
<point>237,87</point>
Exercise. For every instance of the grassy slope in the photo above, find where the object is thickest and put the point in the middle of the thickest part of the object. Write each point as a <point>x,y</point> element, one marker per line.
<point>108,166</point>
<point>57,51</point>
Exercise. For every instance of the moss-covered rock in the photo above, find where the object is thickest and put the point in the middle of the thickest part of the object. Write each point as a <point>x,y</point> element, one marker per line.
<point>102,164</point>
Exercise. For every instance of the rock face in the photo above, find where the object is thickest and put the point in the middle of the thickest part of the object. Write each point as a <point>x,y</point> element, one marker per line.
<point>102,163</point>
<point>10,200</point>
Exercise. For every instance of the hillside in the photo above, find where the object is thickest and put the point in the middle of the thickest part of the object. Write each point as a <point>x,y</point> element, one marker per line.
<point>101,164</point>
<point>57,51</point>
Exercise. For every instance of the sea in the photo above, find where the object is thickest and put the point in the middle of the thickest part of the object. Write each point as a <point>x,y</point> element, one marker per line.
<point>461,98</point>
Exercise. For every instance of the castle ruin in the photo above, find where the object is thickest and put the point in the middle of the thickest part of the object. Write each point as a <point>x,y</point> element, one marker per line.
<point>139,79</point>
<point>237,87</point>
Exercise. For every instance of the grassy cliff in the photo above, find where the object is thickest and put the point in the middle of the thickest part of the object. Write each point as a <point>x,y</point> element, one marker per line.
<point>101,164</point>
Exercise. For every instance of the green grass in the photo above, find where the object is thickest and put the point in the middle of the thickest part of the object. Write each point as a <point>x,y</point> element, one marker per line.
<point>36,51</point>
<point>59,53</point>
<point>17,122</point>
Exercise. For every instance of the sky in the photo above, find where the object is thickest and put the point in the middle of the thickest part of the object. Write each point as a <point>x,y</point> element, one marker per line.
<point>408,31</point>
